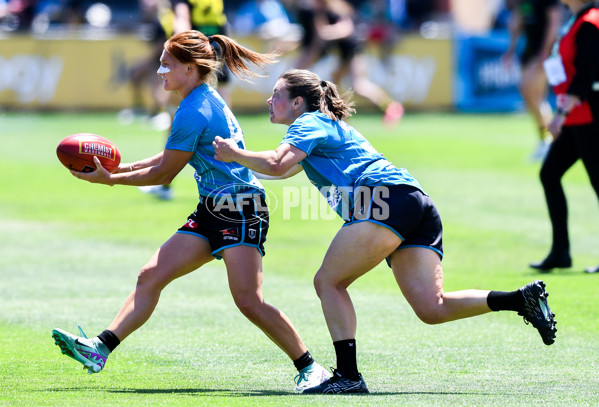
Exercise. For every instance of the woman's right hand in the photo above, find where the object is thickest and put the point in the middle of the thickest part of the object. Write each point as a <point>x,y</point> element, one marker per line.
<point>224,149</point>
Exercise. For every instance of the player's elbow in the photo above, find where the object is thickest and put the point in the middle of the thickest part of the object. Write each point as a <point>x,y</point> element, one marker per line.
<point>276,169</point>
<point>164,179</point>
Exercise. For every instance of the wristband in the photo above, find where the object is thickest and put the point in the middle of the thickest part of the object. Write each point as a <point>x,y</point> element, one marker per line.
<point>561,112</point>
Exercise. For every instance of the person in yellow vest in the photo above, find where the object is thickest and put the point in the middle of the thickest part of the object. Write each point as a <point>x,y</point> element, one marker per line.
<point>158,16</point>
<point>208,17</point>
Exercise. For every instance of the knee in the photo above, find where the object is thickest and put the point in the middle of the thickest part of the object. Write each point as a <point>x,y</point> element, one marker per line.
<point>318,284</point>
<point>322,283</point>
<point>431,313</point>
<point>430,318</point>
<point>249,305</point>
<point>145,275</point>
<point>147,278</point>
<point>548,176</point>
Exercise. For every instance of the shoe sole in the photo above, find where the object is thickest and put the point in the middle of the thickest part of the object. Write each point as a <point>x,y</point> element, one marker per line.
<point>360,391</point>
<point>68,349</point>
<point>541,296</point>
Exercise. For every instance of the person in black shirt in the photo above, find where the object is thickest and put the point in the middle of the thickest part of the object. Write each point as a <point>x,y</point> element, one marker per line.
<point>573,70</point>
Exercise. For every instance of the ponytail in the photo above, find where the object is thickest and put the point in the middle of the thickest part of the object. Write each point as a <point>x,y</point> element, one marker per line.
<point>209,53</point>
<point>318,94</point>
<point>332,104</point>
<point>236,57</point>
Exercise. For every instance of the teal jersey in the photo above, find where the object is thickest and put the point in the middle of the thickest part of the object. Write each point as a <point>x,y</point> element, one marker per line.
<point>202,116</point>
<point>340,160</point>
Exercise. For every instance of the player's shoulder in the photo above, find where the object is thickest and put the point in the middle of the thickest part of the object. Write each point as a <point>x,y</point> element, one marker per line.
<point>190,118</point>
<point>310,121</point>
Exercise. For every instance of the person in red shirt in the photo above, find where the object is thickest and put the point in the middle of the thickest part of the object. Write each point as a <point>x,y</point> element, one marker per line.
<point>573,70</point>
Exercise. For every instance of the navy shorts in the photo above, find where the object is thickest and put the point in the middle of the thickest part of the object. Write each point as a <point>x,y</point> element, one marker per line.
<point>227,222</point>
<point>405,210</point>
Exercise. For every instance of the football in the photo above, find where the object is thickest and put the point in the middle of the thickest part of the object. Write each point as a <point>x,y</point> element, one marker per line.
<point>77,151</point>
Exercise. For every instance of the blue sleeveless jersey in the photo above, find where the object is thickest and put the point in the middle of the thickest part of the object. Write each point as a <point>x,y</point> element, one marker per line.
<point>340,160</point>
<point>202,116</point>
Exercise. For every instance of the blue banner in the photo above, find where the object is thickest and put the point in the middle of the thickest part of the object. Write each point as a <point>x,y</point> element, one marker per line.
<point>483,82</point>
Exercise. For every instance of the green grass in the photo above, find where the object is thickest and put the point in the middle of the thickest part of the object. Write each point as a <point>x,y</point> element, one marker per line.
<point>70,251</point>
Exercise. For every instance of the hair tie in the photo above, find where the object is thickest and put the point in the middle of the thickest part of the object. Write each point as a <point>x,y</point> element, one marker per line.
<point>218,52</point>
<point>323,84</point>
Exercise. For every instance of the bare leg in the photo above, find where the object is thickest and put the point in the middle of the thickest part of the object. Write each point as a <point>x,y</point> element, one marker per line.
<point>419,274</point>
<point>363,86</point>
<point>179,255</point>
<point>308,57</point>
<point>244,268</point>
<point>534,92</point>
<point>358,248</point>
<point>355,250</point>
<point>392,109</point>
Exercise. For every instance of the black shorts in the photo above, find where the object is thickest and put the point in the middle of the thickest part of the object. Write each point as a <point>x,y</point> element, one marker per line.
<point>405,210</point>
<point>228,221</point>
<point>535,38</point>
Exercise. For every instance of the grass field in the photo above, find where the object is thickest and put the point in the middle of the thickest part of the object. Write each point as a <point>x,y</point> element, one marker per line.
<point>70,251</point>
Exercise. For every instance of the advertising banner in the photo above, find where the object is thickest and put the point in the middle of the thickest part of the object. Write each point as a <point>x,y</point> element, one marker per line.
<point>483,82</point>
<point>93,74</point>
<point>67,74</point>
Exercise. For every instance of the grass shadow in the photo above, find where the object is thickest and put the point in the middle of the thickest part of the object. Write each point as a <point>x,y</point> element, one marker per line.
<point>267,393</point>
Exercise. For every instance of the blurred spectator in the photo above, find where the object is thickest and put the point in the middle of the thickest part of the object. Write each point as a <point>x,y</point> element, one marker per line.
<point>267,18</point>
<point>419,11</point>
<point>330,24</point>
<point>4,14</point>
<point>538,21</point>
<point>159,17</point>
<point>381,21</point>
<point>208,17</point>
<point>476,17</point>
<point>57,12</point>
<point>16,15</point>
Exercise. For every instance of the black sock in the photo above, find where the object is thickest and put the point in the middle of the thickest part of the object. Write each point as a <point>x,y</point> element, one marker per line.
<point>303,361</point>
<point>505,301</point>
<point>347,364</point>
<point>109,339</point>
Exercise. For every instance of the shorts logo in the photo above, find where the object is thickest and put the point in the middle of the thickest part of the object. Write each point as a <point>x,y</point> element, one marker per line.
<point>230,234</point>
<point>246,208</point>
<point>252,233</point>
<point>191,224</point>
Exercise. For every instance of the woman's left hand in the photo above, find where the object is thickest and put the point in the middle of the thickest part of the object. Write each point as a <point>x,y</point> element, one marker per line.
<point>224,149</point>
<point>98,176</point>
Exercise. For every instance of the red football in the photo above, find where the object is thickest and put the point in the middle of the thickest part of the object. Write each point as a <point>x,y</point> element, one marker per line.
<point>77,151</point>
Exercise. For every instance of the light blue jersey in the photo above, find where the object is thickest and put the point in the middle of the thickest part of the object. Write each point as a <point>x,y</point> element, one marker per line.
<point>340,160</point>
<point>202,116</point>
